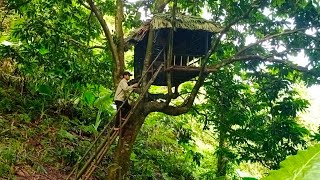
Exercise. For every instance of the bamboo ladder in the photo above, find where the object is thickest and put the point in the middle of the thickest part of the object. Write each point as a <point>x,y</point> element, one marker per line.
<point>98,152</point>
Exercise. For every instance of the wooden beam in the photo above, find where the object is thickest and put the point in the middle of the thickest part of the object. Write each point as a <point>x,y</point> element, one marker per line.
<point>189,69</point>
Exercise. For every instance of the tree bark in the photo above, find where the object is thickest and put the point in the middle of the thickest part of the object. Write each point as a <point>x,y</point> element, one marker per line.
<point>121,162</point>
<point>120,65</point>
<point>222,159</point>
<point>147,59</point>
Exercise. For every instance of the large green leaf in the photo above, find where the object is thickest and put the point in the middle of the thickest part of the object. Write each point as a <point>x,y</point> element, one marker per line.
<point>89,97</point>
<point>305,165</point>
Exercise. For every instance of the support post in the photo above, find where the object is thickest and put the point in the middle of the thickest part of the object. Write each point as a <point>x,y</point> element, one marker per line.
<point>187,61</point>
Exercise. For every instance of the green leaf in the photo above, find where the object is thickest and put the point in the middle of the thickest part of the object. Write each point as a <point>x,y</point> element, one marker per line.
<point>133,157</point>
<point>304,165</point>
<point>102,101</point>
<point>89,97</point>
<point>44,90</point>
<point>43,51</point>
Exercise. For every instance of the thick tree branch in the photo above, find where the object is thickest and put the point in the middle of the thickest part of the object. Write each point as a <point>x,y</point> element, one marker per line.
<point>154,97</point>
<point>147,58</point>
<point>170,52</point>
<point>119,36</point>
<point>107,33</point>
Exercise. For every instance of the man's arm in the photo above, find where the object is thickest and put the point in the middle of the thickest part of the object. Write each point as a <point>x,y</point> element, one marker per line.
<point>124,86</point>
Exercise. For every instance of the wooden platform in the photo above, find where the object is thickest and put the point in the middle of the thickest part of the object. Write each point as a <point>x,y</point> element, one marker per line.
<point>188,69</point>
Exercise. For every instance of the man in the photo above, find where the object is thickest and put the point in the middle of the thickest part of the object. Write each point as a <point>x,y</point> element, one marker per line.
<point>121,95</point>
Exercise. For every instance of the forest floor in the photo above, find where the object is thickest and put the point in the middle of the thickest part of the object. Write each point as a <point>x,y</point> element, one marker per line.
<point>36,142</point>
<point>26,151</point>
<point>27,173</point>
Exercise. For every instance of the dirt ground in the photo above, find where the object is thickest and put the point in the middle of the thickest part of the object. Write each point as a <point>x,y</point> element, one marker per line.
<point>26,173</point>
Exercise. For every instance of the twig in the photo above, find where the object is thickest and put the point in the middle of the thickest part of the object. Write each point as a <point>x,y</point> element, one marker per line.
<point>205,116</point>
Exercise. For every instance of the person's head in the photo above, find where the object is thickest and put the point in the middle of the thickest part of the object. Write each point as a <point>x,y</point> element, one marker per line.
<point>126,75</point>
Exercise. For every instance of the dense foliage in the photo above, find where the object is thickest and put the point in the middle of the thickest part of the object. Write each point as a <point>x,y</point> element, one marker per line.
<point>254,121</point>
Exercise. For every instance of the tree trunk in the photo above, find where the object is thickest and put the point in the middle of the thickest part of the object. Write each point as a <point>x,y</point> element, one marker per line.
<point>222,159</point>
<point>120,64</point>
<point>121,162</point>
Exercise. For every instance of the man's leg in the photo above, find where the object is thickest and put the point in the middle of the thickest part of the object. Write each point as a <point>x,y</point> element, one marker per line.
<point>125,109</point>
<point>119,114</point>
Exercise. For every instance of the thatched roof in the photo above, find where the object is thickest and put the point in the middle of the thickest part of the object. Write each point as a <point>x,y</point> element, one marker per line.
<point>161,21</point>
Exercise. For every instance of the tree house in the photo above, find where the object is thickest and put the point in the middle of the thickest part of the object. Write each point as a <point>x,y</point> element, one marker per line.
<point>191,42</point>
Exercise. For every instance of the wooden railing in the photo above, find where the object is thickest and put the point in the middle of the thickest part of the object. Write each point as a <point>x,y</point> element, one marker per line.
<point>189,61</point>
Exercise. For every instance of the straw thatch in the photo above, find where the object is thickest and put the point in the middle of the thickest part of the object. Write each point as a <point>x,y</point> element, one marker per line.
<point>161,21</point>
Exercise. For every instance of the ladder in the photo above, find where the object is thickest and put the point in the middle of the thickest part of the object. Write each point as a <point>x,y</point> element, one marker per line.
<point>100,146</point>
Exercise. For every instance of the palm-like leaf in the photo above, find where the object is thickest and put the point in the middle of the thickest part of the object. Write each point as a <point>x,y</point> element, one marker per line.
<point>305,165</point>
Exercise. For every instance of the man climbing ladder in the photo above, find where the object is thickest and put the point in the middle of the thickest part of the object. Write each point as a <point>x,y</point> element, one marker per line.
<point>121,97</point>
<point>95,153</point>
